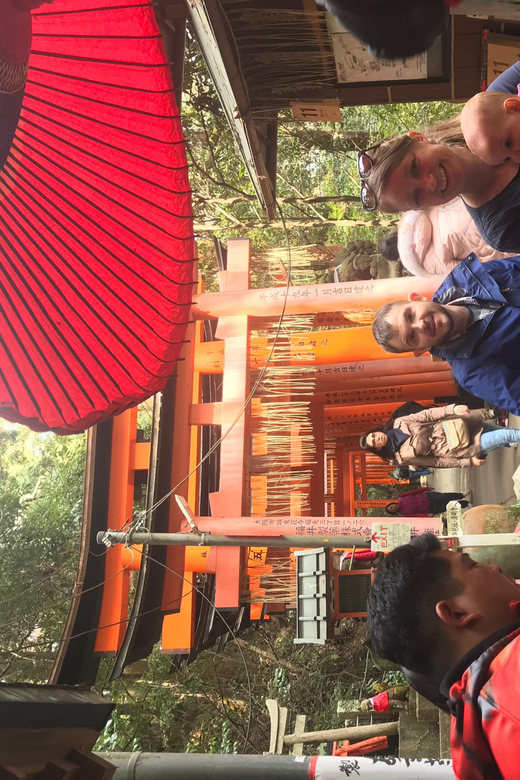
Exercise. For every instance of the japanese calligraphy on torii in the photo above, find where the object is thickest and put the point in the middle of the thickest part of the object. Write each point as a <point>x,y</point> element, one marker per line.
<point>328,768</point>
<point>336,526</point>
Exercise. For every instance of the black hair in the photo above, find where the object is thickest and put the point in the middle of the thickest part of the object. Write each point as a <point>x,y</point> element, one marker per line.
<point>387,508</point>
<point>393,29</point>
<point>388,247</point>
<point>383,332</point>
<point>401,604</point>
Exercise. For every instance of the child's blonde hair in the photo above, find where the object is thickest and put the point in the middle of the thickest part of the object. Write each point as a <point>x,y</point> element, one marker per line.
<point>485,104</point>
<point>480,110</point>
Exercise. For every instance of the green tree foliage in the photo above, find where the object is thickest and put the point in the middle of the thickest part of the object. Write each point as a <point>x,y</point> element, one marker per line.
<point>41,486</point>
<point>217,703</point>
<point>321,158</point>
<point>159,708</point>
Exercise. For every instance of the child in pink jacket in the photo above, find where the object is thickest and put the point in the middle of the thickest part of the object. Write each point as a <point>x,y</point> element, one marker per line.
<point>433,241</point>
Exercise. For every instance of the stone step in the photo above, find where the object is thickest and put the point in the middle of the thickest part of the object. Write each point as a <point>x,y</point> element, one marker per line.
<point>426,711</point>
<point>412,701</point>
<point>417,739</point>
<point>444,734</point>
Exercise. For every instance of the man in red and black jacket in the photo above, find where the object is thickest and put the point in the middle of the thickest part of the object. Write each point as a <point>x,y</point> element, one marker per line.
<point>457,624</point>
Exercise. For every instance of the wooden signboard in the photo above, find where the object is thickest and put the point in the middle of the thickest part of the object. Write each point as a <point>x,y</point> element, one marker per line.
<point>324,111</point>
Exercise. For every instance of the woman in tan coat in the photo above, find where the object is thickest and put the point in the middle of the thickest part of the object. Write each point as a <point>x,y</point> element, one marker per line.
<point>442,437</point>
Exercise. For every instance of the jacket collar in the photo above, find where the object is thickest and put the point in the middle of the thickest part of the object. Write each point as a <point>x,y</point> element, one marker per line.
<point>471,277</point>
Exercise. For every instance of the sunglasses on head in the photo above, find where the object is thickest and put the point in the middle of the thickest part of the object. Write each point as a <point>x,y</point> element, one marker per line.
<point>364,166</point>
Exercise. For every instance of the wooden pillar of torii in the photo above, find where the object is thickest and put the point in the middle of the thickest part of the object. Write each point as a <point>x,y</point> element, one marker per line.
<point>233,329</point>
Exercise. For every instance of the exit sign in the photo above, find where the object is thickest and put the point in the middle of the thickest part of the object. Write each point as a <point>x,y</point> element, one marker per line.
<point>388,536</point>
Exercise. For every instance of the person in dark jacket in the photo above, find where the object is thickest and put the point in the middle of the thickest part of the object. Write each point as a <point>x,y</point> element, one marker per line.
<point>449,620</point>
<point>472,322</point>
<point>392,29</point>
<point>423,502</point>
<point>415,476</point>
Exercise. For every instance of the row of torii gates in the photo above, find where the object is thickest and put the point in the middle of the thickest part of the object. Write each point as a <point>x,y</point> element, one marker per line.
<point>356,385</point>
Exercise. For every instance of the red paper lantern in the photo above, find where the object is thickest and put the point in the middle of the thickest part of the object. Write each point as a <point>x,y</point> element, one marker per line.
<point>96,230</point>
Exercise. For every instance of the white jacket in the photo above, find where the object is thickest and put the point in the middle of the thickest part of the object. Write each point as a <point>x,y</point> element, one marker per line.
<point>433,241</point>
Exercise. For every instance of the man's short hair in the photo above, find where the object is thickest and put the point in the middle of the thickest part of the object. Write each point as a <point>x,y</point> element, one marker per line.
<point>383,331</point>
<point>401,604</point>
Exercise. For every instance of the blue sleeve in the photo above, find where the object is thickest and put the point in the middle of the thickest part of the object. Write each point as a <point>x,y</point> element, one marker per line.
<point>508,81</point>
<point>493,382</point>
<point>505,271</point>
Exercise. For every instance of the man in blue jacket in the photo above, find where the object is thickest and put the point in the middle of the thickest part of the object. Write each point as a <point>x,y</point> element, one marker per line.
<point>472,321</point>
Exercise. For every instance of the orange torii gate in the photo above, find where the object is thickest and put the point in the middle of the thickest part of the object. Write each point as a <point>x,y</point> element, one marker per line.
<point>357,386</point>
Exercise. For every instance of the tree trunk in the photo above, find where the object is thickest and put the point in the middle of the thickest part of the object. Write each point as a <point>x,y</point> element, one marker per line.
<point>335,141</point>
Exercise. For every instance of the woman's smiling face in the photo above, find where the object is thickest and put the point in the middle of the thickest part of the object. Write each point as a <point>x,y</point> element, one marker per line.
<point>428,175</point>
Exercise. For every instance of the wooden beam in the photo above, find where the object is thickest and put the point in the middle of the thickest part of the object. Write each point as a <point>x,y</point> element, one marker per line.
<point>313,298</point>
<point>114,605</point>
<point>299,728</point>
<point>178,629</point>
<point>231,498</point>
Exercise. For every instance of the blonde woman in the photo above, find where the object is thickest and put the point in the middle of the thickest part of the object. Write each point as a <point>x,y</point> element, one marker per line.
<point>423,171</point>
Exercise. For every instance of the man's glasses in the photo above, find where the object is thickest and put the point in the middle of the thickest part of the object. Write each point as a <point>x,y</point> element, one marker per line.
<point>364,166</point>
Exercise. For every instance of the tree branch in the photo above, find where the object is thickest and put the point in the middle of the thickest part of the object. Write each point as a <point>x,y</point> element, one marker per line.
<point>300,195</point>
<point>295,223</point>
<point>288,200</point>
<point>204,173</point>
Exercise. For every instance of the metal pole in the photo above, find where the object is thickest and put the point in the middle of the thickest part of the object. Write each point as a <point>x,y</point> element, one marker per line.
<point>198,766</point>
<point>203,539</point>
<point>480,540</point>
<point>110,538</point>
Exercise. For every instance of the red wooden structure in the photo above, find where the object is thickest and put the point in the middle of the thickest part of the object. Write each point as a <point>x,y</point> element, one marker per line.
<point>258,482</point>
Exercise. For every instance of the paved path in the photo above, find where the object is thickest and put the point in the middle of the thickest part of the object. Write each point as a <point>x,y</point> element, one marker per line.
<point>489,484</point>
